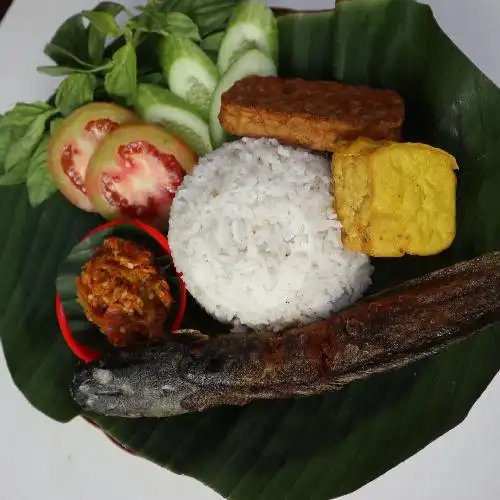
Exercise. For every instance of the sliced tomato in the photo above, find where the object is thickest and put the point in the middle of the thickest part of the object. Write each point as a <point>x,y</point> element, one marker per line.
<point>74,142</point>
<point>136,171</point>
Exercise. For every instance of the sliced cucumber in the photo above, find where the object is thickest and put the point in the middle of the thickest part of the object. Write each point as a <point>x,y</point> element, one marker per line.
<point>189,72</point>
<point>158,105</point>
<point>252,25</point>
<point>251,62</point>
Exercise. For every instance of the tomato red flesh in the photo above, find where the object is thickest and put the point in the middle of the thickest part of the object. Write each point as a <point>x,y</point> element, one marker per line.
<point>146,183</point>
<point>101,128</point>
<point>136,171</point>
<point>75,155</point>
<point>75,141</point>
<point>69,166</point>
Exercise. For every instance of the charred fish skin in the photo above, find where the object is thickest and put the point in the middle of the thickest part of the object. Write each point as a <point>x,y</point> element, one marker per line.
<point>385,331</point>
<point>134,383</point>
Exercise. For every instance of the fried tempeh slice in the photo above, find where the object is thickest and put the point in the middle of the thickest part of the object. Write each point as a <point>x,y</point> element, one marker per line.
<point>315,114</point>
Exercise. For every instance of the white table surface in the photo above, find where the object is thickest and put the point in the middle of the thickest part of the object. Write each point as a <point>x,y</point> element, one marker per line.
<point>41,459</point>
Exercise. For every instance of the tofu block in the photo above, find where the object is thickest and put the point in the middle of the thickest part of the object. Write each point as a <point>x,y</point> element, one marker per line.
<point>395,198</point>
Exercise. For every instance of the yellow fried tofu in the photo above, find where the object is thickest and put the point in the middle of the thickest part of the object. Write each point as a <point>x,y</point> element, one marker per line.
<point>395,198</point>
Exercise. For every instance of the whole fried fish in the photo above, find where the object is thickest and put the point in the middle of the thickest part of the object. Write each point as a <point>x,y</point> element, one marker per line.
<point>383,332</point>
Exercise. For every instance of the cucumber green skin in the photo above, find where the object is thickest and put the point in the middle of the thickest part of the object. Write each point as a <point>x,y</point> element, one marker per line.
<point>174,49</point>
<point>251,62</point>
<point>150,99</point>
<point>254,14</point>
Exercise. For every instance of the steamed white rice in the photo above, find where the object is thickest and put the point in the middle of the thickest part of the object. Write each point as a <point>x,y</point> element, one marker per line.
<point>254,233</point>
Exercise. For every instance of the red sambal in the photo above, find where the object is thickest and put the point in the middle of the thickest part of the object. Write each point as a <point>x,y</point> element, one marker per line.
<point>124,293</point>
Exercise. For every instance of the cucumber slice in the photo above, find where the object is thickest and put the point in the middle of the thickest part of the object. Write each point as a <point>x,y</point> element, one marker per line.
<point>252,25</point>
<point>158,105</point>
<point>189,72</point>
<point>251,62</point>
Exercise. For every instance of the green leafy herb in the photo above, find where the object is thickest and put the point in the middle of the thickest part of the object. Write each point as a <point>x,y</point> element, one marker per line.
<point>16,175</point>
<point>212,43</point>
<point>121,81</point>
<point>174,23</point>
<point>154,78</point>
<point>180,24</point>
<point>97,38</point>
<point>5,141</point>
<point>97,43</point>
<point>27,124</point>
<point>39,181</point>
<point>22,114</point>
<point>210,15</point>
<point>129,35</point>
<point>66,71</point>
<point>74,91</point>
<point>103,22</point>
<point>22,148</point>
<point>69,45</point>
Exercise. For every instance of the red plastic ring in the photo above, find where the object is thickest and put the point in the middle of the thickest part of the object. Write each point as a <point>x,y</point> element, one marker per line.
<point>88,354</point>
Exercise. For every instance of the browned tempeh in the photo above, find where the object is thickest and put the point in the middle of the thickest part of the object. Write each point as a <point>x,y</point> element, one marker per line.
<point>382,332</point>
<point>315,114</point>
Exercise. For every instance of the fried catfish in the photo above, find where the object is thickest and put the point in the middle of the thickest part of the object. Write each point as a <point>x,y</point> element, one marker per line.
<point>193,372</point>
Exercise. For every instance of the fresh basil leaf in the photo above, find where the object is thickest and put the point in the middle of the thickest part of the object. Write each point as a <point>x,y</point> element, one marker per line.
<point>211,15</point>
<point>69,45</point>
<point>97,39</point>
<point>5,141</point>
<point>154,78</point>
<point>54,124</point>
<point>180,24</point>
<point>112,8</point>
<point>39,180</point>
<point>74,91</point>
<point>212,43</point>
<point>58,70</point>
<point>65,70</point>
<point>97,43</point>
<point>22,114</point>
<point>121,81</point>
<point>21,149</point>
<point>165,23</point>
<point>71,60</point>
<point>113,46</point>
<point>103,22</point>
<point>214,22</point>
<point>128,34</point>
<point>174,23</point>
<point>16,175</point>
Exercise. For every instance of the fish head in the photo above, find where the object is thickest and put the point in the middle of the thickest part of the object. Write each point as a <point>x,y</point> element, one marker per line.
<point>135,383</point>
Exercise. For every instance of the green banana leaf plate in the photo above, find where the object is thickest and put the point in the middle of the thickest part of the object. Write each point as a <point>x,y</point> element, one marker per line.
<point>325,446</point>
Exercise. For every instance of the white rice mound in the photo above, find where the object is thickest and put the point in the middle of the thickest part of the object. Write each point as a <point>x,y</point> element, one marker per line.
<point>254,233</point>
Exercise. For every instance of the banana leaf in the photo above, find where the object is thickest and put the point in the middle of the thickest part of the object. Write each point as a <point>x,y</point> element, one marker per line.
<point>319,447</point>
